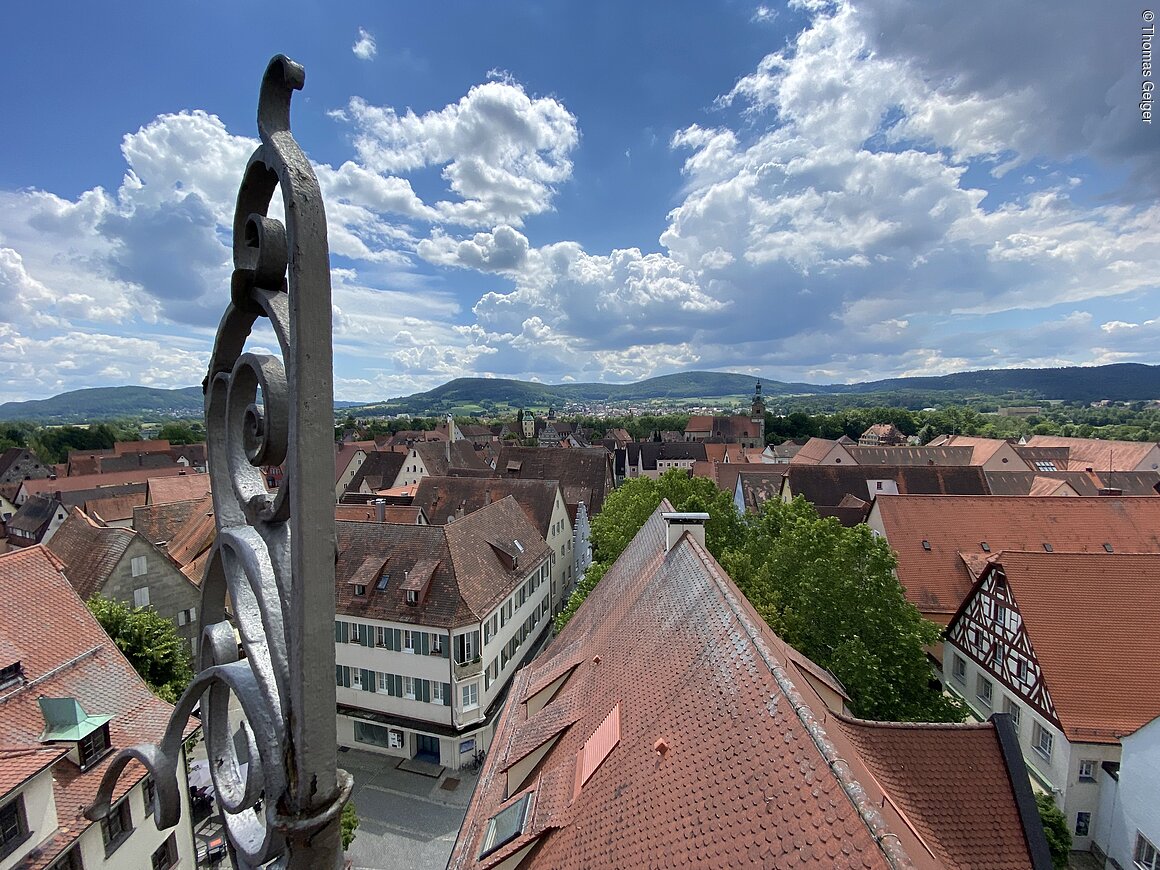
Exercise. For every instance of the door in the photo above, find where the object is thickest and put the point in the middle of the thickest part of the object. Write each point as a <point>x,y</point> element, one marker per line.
<point>427,748</point>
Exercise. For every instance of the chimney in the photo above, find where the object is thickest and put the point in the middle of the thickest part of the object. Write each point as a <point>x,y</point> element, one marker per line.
<point>380,510</point>
<point>678,523</point>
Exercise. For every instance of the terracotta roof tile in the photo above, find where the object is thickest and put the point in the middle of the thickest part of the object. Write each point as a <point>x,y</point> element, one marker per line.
<point>89,552</point>
<point>1098,454</point>
<point>184,487</point>
<point>159,523</point>
<point>936,581</point>
<point>585,473</point>
<point>195,536</point>
<point>442,498</point>
<point>828,484</point>
<point>115,508</point>
<point>98,481</point>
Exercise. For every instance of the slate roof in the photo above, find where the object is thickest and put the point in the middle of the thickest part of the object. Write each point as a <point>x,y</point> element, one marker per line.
<point>946,782</point>
<point>165,490</point>
<point>69,655</point>
<point>88,551</point>
<point>936,580</point>
<point>34,515</point>
<point>468,580</point>
<point>707,745</point>
<point>379,470</point>
<point>1099,653</point>
<point>828,484</point>
<point>584,473</point>
<point>441,498</point>
<point>1098,454</point>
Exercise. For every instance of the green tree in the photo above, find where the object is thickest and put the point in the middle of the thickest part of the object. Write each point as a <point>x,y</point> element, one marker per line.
<point>1056,829</point>
<point>150,642</point>
<point>349,822</point>
<point>180,432</point>
<point>831,593</point>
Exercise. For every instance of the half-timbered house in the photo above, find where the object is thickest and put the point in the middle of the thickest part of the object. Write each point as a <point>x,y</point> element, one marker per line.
<point>1066,644</point>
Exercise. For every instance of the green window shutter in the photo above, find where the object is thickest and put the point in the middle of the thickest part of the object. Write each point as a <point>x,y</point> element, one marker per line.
<point>368,678</point>
<point>398,685</point>
<point>425,641</point>
<point>338,675</point>
<point>446,694</point>
<point>337,631</point>
<point>447,647</point>
<point>346,676</point>
<point>425,690</point>
<point>343,632</point>
<point>391,685</point>
<point>389,638</point>
<point>367,638</point>
<point>398,640</point>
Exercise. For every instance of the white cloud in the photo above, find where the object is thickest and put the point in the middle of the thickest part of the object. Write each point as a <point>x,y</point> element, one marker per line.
<point>364,47</point>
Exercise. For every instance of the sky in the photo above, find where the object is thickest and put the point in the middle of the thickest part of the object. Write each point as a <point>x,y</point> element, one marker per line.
<point>816,191</point>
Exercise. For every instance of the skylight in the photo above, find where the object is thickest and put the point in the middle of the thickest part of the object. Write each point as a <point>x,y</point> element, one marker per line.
<point>506,825</point>
<point>383,580</point>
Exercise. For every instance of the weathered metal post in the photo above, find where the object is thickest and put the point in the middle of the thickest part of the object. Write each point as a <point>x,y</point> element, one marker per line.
<point>274,554</point>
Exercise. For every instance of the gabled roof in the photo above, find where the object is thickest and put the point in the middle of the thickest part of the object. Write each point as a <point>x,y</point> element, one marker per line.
<point>344,454</point>
<point>467,580</point>
<point>34,515</point>
<point>88,551</point>
<point>159,523</point>
<point>446,499</point>
<point>195,536</point>
<point>166,490</point>
<point>68,655</point>
<point>378,471</point>
<point>1093,620</point>
<point>1098,454</point>
<point>826,485</point>
<point>814,451</point>
<point>685,733</point>
<point>982,448</point>
<point>50,485</point>
<point>936,581</point>
<point>653,451</point>
<point>912,455</point>
<point>584,473</point>
<point>368,513</point>
<point>760,484</point>
<point>114,508</point>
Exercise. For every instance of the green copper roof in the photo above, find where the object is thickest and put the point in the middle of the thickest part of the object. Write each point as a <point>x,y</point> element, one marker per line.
<point>65,719</point>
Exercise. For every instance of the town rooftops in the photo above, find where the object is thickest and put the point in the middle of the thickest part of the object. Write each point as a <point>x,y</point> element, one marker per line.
<point>378,471</point>
<point>51,485</point>
<point>1101,455</point>
<point>667,726</point>
<point>930,532</point>
<point>467,575</point>
<point>829,484</point>
<point>88,551</point>
<point>1093,620</point>
<point>584,473</point>
<point>446,499</point>
<point>164,490</point>
<point>64,653</point>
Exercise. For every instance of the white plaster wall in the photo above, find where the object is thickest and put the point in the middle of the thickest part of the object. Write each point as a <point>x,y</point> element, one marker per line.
<point>1136,809</point>
<point>40,813</point>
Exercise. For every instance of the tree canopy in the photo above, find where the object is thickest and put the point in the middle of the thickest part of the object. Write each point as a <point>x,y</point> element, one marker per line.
<point>1056,829</point>
<point>150,642</point>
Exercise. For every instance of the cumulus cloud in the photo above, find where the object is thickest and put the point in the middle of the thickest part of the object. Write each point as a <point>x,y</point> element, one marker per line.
<point>364,47</point>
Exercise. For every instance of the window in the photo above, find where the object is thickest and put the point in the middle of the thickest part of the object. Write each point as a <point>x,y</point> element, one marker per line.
<point>409,688</point>
<point>141,597</point>
<point>1087,770</point>
<point>506,825</point>
<point>1042,740</point>
<point>94,745</point>
<point>360,589</point>
<point>436,692</point>
<point>116,827</point>
<point>412,596</point>
<point>1021,669</point>
<point>1146,856</point>
<point>408,641</point>
<point>984,690</point>
<point>465,647</point>
<point>187,617</point>
<point>470,695</point>
<point>13,826</point>
<point>355,632</point>
<point>138,565</point>
<point>436,644</point>
<point>356,678</point>
<point>1001,615</point>
<point>377,735</point>
<point>1010,705</point>
<point>384,682</point>
<point>382,582</point>
<point>149,793</point>
<point>1044,465</point>
<point>70,860</point>
<point>959,669</point>
<point>1083,823</point>
<point>165,855</point>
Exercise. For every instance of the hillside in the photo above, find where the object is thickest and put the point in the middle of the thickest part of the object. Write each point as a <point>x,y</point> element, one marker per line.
<point>1121,382</point>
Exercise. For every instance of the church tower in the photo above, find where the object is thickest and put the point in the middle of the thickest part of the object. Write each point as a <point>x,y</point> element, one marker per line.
<point>757,414</point>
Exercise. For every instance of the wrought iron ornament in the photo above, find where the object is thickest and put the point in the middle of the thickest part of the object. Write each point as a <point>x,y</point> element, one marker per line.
<point>273,558</point>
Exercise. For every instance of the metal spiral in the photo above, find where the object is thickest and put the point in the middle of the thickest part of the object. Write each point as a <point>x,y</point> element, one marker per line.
<point>272,561</point>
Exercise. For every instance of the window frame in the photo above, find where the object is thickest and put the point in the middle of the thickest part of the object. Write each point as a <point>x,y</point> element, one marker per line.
<point>988,696</point>
<point>1012,708</point>
<point>1083,819</point>
<point>166,852</point>
<point>139,566</point>
<point>1146,855</point>
<point>124,826</point>
<point>141,596</point>
<point>469,690</point>
<point>94,746</point>
<point>14,828</point>
<point>959,668</point>
<point>1038,741</point>
<point>1090,765</point>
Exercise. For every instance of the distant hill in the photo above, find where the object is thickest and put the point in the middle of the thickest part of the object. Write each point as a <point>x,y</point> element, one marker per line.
<point>1123,382</point>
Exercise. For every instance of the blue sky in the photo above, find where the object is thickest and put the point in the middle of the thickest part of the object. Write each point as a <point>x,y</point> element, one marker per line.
<point>818,191</point>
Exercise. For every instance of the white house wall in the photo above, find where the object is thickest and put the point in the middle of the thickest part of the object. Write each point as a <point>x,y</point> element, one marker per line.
<point>39,812</point>
<point>1130,808</point>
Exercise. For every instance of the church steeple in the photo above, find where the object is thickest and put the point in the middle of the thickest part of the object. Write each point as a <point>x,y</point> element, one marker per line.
<point>758,409</point>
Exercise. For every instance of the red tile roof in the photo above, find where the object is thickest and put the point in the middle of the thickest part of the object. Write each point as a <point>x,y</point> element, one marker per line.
<point>723,758</point>
<point>1099,652</point>
<point>183,487</point>
<point>115,508</point>
<point>21,763</point>
<point>64,652</point>
<point>1098,454</point>
<point>936,580</point>
<point>445,498</point>
<point>88,551</point>
<point>48,486</point>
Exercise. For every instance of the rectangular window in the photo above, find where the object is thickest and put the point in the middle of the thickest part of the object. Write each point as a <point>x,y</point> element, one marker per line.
<point>436,692</point>
<point>436,644</point>
<point>356,678</point>
<point>356,632</point>
<point>1087,770</point>
<point>1012,706</point>
<point>1042,740</point>
<point>409,688</point>
<point>13,826</point>
<point>959,668</point>
<point>149,793</point>
<point>1146,856</point>
<point>165,855</point>
<point>408,641</point>
<point>93,746</point>
<point>116,827</point>
<point>70,860</point>
<point>466,647</point>
<point>1083,823</point>
<point>1001,615</point>
<point>187,617</point>
<point>141,597</point>
<point>984,690</point>
<point>360,589</point>
<point>470,695</point>
<point>139,565</point>
<point>378,735</point>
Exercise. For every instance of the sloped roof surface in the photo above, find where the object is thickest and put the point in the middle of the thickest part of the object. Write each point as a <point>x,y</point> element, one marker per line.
<point>379,470</point>
<point>115,508</point>
<point>912,455</point>
<point>828,484</point>
<point>159,523</point>
<point>720,757</point>
<point>439,456</point>
<point>88,551</point>
<point>165,490</point>
<point>584,473</point>
<point>1098,454</point>
<point>98,481</point>
<point>442,497</point>
<point>936,581</point>
<point>1094,623</point>
<point>36,513</point>
<point>950,782</point>
<point>813,451</point>
<point>760,484</point>
<point>84,664</point>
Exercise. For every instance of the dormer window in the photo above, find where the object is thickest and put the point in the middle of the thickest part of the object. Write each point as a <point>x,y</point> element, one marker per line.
<point>412,596</point>
<point>11,675</point>
<point>381,583</point>
<point>65,720</point>
<point>506,825</point>
<point>359,589</point>
<point>92,747</point>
